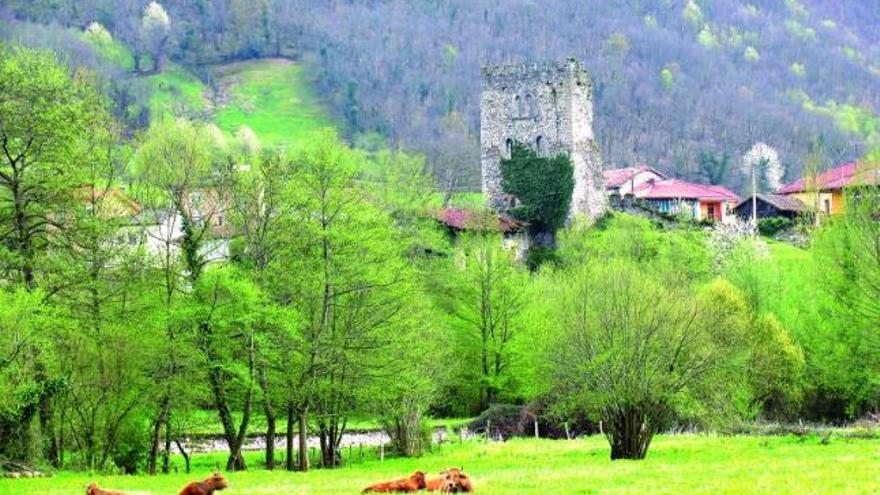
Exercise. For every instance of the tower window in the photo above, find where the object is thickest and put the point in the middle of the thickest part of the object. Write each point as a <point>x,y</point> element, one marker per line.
<point>508,148</point>
<point>517,106</point>
<point>529,107</point>
<point>539,145</point>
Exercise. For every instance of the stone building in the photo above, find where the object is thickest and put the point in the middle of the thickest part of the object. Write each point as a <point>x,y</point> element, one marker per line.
<point>550,108</point>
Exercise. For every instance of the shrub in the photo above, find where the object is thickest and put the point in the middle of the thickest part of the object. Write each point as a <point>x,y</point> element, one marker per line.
<point>772,226</point>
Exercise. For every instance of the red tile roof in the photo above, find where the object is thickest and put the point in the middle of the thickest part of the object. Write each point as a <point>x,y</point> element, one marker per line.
<point>461,219</point>
<point>618,176</point>
<point>834,179</point>
<point>679,189</point>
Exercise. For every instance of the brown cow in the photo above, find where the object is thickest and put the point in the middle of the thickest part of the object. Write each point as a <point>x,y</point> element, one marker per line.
<point>216,482</point>
<point>94,490</point>
<point>443,484</point>
<point>414,483</point>
<point>451,481</point>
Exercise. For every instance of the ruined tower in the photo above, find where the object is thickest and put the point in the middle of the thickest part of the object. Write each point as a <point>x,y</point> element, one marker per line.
<point>549,108</point>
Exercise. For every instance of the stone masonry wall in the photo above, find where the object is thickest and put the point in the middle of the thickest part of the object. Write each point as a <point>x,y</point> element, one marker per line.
<point>549,108</point>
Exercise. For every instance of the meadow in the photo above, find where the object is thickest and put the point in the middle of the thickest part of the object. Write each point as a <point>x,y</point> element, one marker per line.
<point>677,464</point>
<point>272,97</point>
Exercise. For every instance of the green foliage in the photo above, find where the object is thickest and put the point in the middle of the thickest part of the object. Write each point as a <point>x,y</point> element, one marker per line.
<point>679,253</point>
<point>482,292</point>
<point>751,54</point>
<point>776,367</point>
<point>667,79</point>
<point>774,225</point>
<point>633,349</point>
<point>542,185</point>
<point>26,329</point>
<point>715,168</point>
<point>707,38</point>
<point>50,122</point>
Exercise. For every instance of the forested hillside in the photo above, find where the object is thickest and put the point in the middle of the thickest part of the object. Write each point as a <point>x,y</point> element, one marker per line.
<point>182,237</point>
<point>680,84</point>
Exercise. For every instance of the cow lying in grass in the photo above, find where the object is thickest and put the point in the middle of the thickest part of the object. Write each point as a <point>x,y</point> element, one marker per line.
<point>450,481</point>
<point>94,490</point>
<point>216,482</point>
<point>414,483</point>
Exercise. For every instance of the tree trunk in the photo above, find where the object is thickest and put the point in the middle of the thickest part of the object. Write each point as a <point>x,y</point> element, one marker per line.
<point>629,431</point>
<point>47,420</point>
<point>233,437</point>
<point>161,419</point>
<point>218,390</point>
<point>754,198</point>
<point>288,463</point>
<point>269,411</point>
<point>166,455</point>
<point>183,453</point>
<point>304,440</point>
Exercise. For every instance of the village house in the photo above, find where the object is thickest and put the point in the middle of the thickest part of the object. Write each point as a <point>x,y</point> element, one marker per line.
<point>459,220</point>
<point>158,231</point>
<point>663,195</point>
<point>622,181</point>
<point>825,192</point>
<point>770,206</point>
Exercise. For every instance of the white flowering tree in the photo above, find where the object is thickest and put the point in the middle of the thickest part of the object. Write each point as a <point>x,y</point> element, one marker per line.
<point>725,238</point>
<point>155,31</point>
<point>98,34</point>
<point>762,164</point>
<point>248,142</point>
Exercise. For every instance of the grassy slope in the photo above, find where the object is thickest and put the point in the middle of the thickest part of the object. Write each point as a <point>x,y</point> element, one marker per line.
<point>175,91</point>
<point>273,98</point>
<point>675,465</point>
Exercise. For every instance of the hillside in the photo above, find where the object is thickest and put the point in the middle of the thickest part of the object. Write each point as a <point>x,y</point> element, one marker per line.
<point>684,85</point>
<point>271,96</point>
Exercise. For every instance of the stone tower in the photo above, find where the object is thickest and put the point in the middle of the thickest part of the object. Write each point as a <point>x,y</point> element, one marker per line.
<point>550,108</point>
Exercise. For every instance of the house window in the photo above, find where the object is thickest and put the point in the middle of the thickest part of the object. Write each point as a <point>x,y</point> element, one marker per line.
<point>827,206</point>
<point>711,211</point>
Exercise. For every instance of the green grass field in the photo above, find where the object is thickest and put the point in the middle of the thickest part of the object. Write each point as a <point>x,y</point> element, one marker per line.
<point>175,91</point>
<point>685,464</point>
<point>273,98</point>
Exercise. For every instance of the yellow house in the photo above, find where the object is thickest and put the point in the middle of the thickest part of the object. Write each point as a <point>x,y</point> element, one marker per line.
<point>825,191</point>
